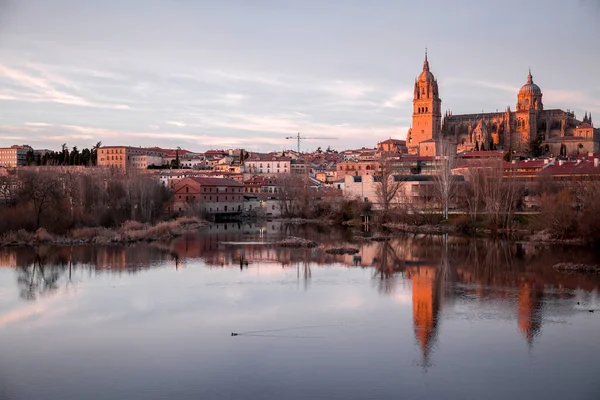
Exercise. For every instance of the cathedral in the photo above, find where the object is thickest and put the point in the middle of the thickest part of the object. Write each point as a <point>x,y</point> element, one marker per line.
<point>553,132</point>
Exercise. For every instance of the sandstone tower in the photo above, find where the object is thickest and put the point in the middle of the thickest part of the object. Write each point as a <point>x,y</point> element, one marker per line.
<point>427,110</point>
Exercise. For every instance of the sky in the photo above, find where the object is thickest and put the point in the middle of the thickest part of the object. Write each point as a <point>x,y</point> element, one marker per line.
<point>248,73</point>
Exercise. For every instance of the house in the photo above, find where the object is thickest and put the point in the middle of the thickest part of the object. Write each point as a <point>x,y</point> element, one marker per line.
<point>208,196</point>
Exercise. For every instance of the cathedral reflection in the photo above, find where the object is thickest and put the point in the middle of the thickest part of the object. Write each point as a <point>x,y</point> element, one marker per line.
<point>427,298</point>
<point>441,270</point>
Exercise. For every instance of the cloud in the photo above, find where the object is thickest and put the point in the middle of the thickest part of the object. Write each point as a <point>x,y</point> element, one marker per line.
<point>345,89</point>
<point>400,97</point>
<point>571,98</point>
<point>486,84</point>
<point>176,123</point>
<point>45,87</point>
<point>37,124</point>
<point>286,124</point>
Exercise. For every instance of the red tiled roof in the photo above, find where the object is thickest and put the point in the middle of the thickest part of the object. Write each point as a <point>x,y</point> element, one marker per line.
<point>214,181</point>
<point>393,141</point>
<point>572,168</point>
<point>525,164</point>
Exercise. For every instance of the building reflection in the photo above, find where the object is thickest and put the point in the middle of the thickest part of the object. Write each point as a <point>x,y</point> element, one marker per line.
<point>427,298</point>
<point>440,270</point>
<point>530,311</point>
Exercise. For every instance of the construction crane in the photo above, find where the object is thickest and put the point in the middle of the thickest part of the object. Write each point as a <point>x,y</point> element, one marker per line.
<point>299,138</point>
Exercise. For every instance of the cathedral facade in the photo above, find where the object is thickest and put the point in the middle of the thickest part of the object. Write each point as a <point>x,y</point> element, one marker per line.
<point>529,128</point>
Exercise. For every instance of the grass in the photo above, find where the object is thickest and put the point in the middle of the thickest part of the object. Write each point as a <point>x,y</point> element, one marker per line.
<point>129,231</point>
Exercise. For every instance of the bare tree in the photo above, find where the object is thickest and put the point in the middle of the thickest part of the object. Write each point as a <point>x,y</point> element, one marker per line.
<point>472,191</point>
<point>501,193</point>
<point>387,185</point>
<point>42,190</point>
<point>445,180</point>
<point>291,191</point>
<point>8,186</point>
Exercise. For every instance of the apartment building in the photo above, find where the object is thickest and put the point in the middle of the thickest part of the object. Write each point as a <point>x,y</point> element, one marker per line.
<point>212,196</point>
<point>268,164</point>
<point>14,156</point>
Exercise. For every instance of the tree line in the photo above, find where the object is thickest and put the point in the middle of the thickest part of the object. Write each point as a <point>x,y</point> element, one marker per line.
<point>65,157</point>
<point>60,199</point>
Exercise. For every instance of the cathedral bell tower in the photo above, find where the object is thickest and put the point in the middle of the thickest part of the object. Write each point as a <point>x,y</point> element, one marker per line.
<point>427,110</point>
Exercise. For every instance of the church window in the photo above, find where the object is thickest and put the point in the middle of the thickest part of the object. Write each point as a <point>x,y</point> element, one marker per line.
<point>526,102</point>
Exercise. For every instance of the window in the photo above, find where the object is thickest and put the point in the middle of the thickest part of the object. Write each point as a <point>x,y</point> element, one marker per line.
<point>187,189</point>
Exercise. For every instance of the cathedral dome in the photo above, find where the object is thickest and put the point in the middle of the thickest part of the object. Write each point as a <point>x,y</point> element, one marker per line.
<point>426,75</point>
<point>530,87</point>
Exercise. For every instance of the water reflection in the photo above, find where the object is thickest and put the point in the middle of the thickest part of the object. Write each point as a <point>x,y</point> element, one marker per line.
<point>441,271</point>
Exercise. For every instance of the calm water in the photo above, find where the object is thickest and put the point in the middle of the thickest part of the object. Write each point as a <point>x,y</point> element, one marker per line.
<point>412,318</point>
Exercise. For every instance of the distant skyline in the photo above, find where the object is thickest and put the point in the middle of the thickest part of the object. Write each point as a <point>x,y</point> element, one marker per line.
<point>243,73</point>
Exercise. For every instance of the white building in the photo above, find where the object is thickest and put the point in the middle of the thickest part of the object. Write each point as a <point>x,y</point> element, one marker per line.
<point>267,164</point>
<point>415,190</point>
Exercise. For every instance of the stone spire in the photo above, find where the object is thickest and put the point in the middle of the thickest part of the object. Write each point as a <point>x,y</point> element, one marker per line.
<point>426,63</point>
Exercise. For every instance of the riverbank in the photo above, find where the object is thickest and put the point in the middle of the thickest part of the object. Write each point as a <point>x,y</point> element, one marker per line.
<point>129,232</point>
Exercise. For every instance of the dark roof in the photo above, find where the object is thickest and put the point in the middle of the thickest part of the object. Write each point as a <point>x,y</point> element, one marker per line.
<point>480,154</point>
<point>421,178</point>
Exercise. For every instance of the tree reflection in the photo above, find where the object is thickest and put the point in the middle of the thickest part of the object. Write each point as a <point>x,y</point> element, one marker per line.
<point>36,279</point>
<point>387,265</point>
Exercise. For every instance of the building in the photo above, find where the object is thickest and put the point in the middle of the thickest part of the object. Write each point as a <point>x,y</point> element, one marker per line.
<point>559,131</point>
<point>427,114</point>
<point>129,158</point>
<point>268,164</point>
<point>416,191</point>
<point>351,167</point>
<point>392,146</point>
<point>208,196</point>
<point>14,156</point>
<point>555,131</point>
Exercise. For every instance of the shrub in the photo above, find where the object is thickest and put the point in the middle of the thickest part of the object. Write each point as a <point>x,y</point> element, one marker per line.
<point>43,236</point>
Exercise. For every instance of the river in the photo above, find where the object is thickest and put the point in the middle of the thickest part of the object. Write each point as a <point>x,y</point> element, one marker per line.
<point>415,317</point>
